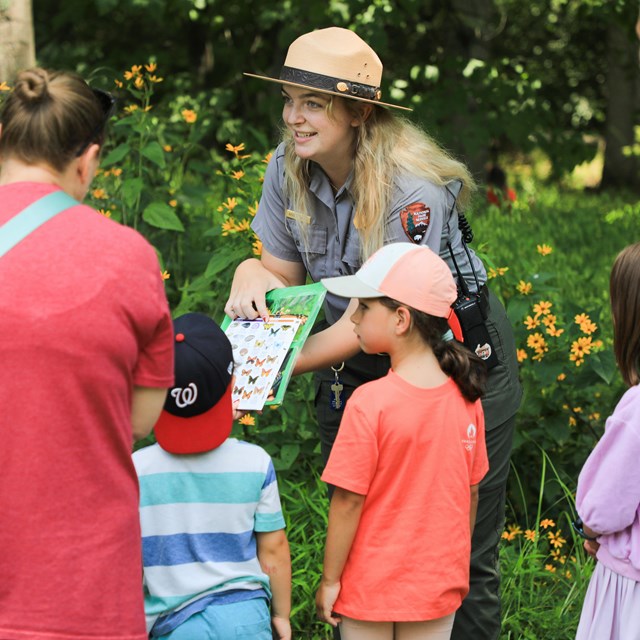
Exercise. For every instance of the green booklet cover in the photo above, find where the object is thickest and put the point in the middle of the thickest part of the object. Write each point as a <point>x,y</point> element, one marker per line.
<point>265,351</point>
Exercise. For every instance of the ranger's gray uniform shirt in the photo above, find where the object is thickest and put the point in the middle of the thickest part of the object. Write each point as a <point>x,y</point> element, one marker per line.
<point>420,212</point>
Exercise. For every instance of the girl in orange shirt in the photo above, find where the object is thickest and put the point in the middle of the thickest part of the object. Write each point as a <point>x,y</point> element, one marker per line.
<point>407,460</point>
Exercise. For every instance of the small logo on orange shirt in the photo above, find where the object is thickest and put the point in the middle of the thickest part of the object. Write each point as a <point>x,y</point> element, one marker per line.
<point>470,441</point>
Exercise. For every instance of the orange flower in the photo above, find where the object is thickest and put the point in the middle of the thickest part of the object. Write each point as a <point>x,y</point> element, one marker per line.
<point>531,323</point>
<point>542,308</point>
<point>173,203</point>
<point>247,420</point>
<point>167,148</point>
<point>556,539</point>
<point>119,83</point>
<point>521,354</point>
<point>131,108</point>
<point>139,82</point>
<point>237,175</point>
<point>256,247</point>
<point>229,205</point>
<point>267,157</point>
<point>230,147</point>
<point>253,208</point>
<point>524,288</point>
<point>554,332</point>
<point>189,115</point>
<point>228,226</point>
<point>155,79</point>
<point>546,523</point>
<point>530,535</point>
<point>544,249</point>
<point>99,194</point>
<point>106,214</point>
<point>165,275</point>
<point>151,67</point>
<point>561,377</point>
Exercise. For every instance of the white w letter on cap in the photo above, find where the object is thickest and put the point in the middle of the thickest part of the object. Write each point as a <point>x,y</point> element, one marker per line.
<point>185,397</point>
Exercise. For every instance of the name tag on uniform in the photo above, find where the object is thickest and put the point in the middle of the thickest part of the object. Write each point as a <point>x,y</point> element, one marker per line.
<point>298,217</point>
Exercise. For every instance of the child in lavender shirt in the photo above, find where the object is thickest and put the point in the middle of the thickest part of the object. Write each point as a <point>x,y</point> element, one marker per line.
<point>608,496</point>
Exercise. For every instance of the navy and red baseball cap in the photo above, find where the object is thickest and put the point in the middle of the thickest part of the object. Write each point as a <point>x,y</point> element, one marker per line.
<point>198,412</point>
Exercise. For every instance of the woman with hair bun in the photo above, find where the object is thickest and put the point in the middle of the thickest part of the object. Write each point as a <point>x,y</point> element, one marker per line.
<point>86,346</point>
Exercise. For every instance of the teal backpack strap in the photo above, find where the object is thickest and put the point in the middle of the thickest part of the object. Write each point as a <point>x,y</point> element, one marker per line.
<point>30,218</point>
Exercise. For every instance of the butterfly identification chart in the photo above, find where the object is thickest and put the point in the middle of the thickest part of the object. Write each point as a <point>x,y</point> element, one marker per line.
<point>264,351</point>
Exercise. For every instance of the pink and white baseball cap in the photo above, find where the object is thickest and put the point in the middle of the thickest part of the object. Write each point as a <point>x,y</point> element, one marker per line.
<point>411,274</point>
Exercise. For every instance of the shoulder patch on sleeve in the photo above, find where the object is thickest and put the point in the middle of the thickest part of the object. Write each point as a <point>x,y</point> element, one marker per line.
<point>415,220</point>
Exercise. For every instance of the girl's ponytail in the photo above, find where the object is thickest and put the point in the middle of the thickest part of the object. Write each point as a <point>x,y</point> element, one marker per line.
<point>467,370</point>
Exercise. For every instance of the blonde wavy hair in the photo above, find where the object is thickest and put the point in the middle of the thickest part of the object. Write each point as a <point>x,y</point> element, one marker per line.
<point>386,145</point>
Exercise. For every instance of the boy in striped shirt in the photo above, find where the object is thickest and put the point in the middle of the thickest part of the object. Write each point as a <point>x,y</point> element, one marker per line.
<point>216,558</point>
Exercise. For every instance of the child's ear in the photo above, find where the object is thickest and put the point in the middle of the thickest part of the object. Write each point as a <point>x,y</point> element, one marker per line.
<point>403,320</point>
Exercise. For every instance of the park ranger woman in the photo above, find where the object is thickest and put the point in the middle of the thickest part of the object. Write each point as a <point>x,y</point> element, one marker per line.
<point>349,176</point>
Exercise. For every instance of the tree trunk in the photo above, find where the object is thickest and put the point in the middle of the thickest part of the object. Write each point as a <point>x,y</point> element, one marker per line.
<point>17,46</point>
<point>620,168</point>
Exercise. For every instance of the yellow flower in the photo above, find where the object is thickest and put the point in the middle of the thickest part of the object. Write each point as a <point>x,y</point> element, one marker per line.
<point>514,529</point>
<point>99,194</point>
<point>579,349</point>
<point>572,421</point>
<point>116,172</point>
<point>230,147</point>
<point>253,208</point>
<point>118,83</point>
<point>244,225</point>
<point>550,568</point>
<point>168,148</point>
<point>567,574</point>
<point>151,67</point>
<point>554,332</point>
<point>229,205</point>
<point>139,82</point>
<point>577,409</point>
<point>542,308</point>
<point>546,523</point>
<point>585,323</point>
<point>507,536</point>
<point>556,539</point>
<point>594,416</point>
<point>561,377</point>
<point>499,271</point>
<point>531,323</point>
<point>4,86</point>
<point>106,214</point>
<point>521,354</point>
<point>131,108</point>
<point>135,70</point>
<point>155,79</point>
<point>536,341</point>
<point>256,247</point>
<point>173,203</point>
<point>189,115</point>
<point>228,226</point>
<point>237,175</point>
<point>544,249</point>
<point>530,535</point>
<point>267,157</point>
<point>247,420</point>
<point>165,275</point>
<point>524,288</point>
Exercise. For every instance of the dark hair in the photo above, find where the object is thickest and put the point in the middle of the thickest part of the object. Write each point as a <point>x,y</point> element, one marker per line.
<point>467,370</point>
<point>48,116</point>
<point>624,289</point>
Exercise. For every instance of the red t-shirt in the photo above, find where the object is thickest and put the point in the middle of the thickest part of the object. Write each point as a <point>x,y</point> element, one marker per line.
<point>414,453</point>
<point>83,318</point>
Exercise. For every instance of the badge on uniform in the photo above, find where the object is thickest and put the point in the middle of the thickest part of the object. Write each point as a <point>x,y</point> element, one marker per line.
<point>415,220</point>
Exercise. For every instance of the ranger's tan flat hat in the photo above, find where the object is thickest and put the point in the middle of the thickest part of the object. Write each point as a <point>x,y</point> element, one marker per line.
<point>335,61</point>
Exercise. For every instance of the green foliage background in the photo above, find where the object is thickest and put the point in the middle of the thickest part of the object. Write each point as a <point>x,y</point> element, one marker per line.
<point>184,162</point>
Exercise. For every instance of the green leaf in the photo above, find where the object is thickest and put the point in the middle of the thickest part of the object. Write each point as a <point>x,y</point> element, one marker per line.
<point>161,215</point>
<point>219,261</point>
<point>288,455</point>
<point>153,151</point>
<point>604,364</point>
<point>131,189</point>
<point>115,155</point>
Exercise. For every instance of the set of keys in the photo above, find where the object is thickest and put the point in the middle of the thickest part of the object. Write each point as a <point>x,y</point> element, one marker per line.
<point>336,400</point>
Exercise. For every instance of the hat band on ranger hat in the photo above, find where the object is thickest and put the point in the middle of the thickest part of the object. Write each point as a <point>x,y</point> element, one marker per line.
<point>329,83</point>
